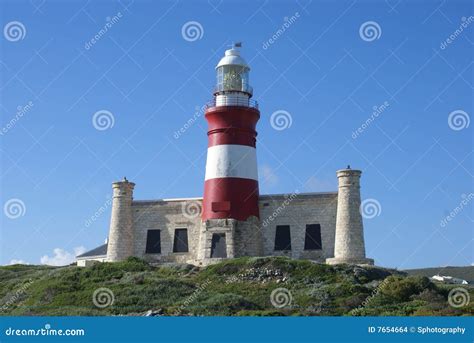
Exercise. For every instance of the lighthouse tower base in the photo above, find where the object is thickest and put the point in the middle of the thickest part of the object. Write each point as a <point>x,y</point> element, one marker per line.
<point>229,238</point>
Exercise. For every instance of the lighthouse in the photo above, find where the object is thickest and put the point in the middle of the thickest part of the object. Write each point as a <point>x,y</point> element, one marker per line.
<point>232,219</point>
<point>231,181</point>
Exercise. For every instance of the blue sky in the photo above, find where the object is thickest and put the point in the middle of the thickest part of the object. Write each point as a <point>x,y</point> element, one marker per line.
<point>150,74</point>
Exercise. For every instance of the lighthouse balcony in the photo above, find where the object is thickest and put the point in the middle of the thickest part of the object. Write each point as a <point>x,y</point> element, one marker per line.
<point>229,100</point>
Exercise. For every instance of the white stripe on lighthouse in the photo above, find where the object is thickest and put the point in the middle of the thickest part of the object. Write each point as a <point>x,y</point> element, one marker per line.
<point>231,161</point>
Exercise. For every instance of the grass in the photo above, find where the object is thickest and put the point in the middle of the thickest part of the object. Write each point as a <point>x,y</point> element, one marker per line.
<point>238,287</point>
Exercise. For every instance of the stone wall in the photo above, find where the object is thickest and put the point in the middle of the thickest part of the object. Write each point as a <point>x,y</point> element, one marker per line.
<point>166,216</point>
<point>249,238</point>
<point>91,260</point>
<point>298,210</point>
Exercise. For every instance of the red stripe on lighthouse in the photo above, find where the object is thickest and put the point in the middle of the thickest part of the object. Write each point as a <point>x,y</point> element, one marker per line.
<point>232,125</point>
<point>230,198</point>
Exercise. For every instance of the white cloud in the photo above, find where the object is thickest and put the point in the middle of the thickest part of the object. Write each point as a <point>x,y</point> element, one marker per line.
<point>269,178</point>
<point>17,262</point>
<point>62,257</point>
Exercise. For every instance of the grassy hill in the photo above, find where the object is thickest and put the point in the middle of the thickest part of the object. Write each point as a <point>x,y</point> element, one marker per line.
<point>466,273</point>
<point>246,286</point>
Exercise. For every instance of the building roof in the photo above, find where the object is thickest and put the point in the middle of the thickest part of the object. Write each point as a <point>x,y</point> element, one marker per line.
<point>308,194</point>
<point>261,197</point>
<point>99,251</point>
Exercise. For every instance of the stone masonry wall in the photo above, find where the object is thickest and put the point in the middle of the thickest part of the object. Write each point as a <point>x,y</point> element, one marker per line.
<point>166,216</point>
<point>247,238</point>
<point>298,210</point>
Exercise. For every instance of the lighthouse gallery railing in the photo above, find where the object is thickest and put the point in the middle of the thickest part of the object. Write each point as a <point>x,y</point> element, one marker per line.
<point>231,101</point>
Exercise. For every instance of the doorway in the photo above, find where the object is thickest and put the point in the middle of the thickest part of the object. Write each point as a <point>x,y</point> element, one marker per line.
<point>219,246</point>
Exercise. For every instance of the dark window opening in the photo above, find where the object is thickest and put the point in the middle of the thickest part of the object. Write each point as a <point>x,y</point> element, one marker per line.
<point>219,246</point>
<point>282,237</point>
<point>153,242</point>
<point>180,240</point>
<point>312,239</point>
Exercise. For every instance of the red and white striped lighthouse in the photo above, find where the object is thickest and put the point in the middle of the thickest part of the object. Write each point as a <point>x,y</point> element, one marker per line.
<point>231,182</point>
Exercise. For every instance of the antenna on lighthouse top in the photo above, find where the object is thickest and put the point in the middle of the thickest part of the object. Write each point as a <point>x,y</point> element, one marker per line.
<point>238,45</point>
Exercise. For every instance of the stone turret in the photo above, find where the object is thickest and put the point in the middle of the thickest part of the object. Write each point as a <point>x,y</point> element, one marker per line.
<point>120,241</point>
<point>349,245</point>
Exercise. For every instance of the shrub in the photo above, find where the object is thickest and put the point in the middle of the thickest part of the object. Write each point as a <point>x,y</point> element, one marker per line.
<point>225,304</point>
<point>263,313</point>
<point>397,288</point>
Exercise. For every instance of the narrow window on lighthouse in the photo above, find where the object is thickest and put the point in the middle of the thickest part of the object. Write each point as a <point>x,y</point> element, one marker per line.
<point>153,242</point>
<point>313,237</point>
<point>282,237</point>
<point>180,240</point>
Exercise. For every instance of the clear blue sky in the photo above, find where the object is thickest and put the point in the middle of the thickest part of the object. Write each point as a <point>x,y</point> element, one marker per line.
<point>320,70</point>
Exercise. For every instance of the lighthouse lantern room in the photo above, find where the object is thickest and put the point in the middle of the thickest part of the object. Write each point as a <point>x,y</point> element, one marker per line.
<point>233,86</point>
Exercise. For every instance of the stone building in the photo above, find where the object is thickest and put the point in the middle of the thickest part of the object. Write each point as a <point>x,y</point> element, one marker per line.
<point>232,219</point>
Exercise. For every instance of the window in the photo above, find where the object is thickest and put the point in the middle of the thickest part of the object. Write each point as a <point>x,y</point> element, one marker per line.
<point>312,239</point>
<point>219,246</point>
<point>153,242</point>
<point>180,240</point>
<point>232,78</point>
<point>282,237</point>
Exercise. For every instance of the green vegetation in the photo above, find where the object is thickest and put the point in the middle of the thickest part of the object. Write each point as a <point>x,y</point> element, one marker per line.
<point>465,273</point>
<point>238,287</point>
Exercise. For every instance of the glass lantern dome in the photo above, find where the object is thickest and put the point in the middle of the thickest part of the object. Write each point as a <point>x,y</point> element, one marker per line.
<point>233,73</point>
